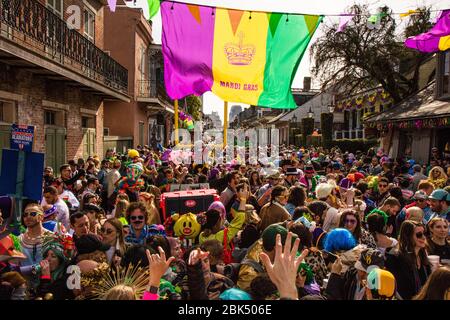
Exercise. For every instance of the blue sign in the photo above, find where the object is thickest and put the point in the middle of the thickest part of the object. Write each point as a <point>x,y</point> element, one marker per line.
<point>22,137</point>
<point>33,170</point>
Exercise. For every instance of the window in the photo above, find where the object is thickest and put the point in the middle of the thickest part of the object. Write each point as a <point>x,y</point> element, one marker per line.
<point>445,80</point>
<point>106,131</point>
<point>443,75</point>
<point>56,6</point>
<point>50,117</point>
<point>87,122</point>
<point>89,25</point>
<point>141,133</point>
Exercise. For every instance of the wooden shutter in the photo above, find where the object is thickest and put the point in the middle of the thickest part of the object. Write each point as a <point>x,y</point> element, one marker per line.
<point>89,137</point>
<point>60,147</point>
<point>55,147</point>
<point>5,139</point>
<point>50,148</point>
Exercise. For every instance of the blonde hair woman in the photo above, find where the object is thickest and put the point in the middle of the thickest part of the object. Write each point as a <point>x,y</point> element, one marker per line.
<point>438,177</point>
<point>149,201</point>
<point>120,211</point>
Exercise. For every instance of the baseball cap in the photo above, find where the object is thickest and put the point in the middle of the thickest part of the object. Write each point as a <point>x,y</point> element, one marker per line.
<point>369,259</point>
<point>269,236</point>
<point>381,282</point>
<point>440,194</point>
<point>420,195</point>
<point>89,243</point>
<point>50,211</point>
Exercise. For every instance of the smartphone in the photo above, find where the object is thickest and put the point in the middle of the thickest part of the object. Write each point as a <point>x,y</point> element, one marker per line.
<point>330,257</point>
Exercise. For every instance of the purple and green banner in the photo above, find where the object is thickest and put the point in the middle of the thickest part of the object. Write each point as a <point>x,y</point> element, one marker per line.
<point>241,56</point>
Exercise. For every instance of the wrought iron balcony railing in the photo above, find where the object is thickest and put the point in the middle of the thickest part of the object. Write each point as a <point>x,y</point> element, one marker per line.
<point>32,25</point>
<point>152,89</point>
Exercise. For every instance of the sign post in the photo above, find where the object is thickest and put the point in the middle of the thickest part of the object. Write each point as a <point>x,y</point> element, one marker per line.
<point>20,172</point>
<point>22,137</point>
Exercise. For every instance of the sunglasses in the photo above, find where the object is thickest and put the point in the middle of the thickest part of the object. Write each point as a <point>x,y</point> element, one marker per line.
<point>32,214</point>
<point>350,221</point>
<point>139,218</point>
<point>421,200</point>
<point>107,231</point>
<point>419,235</point>
<point>382,185</point>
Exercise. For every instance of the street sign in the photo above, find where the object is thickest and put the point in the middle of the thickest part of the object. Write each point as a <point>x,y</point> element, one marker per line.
<point>22,137</point>
<point>33,168</point>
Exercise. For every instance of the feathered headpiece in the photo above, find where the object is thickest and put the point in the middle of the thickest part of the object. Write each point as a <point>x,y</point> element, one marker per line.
<point>102,280</point>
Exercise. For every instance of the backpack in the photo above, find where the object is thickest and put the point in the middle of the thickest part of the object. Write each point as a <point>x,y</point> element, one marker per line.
<point>232,270</point>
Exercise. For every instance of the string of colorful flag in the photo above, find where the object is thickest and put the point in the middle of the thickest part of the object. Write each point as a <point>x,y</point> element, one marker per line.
<point>436,39</point>
<point>345,18</point>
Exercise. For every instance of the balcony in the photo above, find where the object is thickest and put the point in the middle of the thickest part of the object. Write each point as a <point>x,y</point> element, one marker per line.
<point>33,37</point>
<point>349,134</point>
<point>152,91</point>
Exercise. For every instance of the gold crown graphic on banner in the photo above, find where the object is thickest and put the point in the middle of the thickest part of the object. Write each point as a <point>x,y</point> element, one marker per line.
<point>239,54</point>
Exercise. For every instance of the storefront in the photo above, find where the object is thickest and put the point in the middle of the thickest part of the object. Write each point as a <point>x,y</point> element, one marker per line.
<point>414,126</point>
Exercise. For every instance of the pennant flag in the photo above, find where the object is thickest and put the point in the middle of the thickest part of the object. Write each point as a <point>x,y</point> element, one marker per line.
<point>240,56</point>
<point>153,8</point>
<point>343,22</point>
<point>409,13</point>
<point>112,5</point>
<point>374,21</point>
<point>436,39</point>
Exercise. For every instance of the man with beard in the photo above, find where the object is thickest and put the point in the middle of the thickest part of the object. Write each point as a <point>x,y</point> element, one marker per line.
<point>62,210</point>
<point>440,204</point>
<point>31,240</point>
<point>68,178</point>
<point>383,191</point>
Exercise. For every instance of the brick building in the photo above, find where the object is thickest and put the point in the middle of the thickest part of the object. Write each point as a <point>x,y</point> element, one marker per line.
<point>148,117</point>
<point>56,78</point>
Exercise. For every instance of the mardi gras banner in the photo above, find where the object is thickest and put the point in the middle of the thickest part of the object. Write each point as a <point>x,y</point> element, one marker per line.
<point>436,39</point>
<point>240,56</point>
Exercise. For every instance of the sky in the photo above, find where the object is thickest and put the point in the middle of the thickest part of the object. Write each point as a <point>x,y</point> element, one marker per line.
<point>331,7</point>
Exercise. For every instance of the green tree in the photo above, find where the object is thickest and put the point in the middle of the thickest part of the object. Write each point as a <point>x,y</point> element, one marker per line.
<point>194,107</point>
<point>362,57</point>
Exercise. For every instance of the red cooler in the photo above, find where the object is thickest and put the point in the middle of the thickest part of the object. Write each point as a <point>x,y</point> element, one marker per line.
<point>194,201</point>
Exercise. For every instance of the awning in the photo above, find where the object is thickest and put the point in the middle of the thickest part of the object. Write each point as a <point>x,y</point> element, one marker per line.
<point>278,117</point>
<point>422,105</point>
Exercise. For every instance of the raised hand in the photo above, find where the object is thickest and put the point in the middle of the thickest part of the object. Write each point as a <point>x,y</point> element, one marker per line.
<point>283,271</point>
<point>196,256</point>
<point>158,265</point>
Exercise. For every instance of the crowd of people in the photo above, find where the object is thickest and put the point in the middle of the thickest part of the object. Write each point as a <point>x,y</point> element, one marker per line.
<point>324,225</point>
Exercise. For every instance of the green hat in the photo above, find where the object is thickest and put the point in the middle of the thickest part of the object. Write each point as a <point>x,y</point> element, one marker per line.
<point>269,236</point>
<point>440,195</point>
<point>380,212</point>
